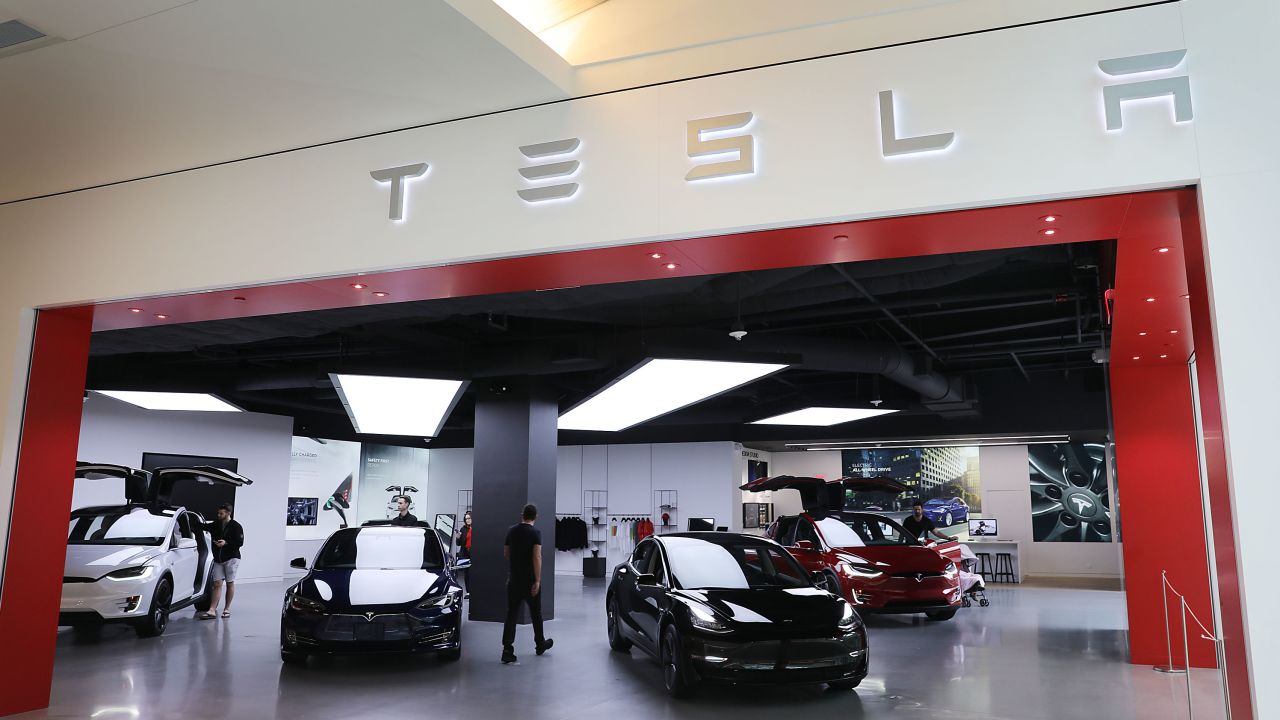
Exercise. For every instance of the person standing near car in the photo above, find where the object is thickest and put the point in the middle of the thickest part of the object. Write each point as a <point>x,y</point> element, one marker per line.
<point>523,551</point>
<point>228,538</point>
<point>464,550</point>
<point>920,526</point>
<point>402,507</point>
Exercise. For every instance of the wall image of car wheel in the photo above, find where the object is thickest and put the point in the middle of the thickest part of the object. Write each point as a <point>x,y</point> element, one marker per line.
<point>1070,498</point>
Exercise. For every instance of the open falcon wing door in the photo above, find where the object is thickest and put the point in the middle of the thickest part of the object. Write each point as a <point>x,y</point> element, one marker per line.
<point>137,483</point>
<point>166,479</point>
<point>818,496</point>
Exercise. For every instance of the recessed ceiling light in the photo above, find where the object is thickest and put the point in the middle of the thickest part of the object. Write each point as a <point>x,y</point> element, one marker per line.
<point>1164,356</point>
<point>656,255</point>
<point>380,293</point>
<point>1186,296</point>
<point>1050,218</point>
<point>1049,231</point>
<point>1137,357</point>
<point>161,316</point>
<point>199,402</point>
<point>1173,332</point>
<point>358,286</point>
<point>1151,299</point>
<point>1162,249</point>
<point>823,416</point>
<point>656,387</point>
<point>671,266</point>
<point>842,238</point>
<point>135,311</point>
<point>1142,333</point>
<point>239,298</point>
<point>380,405</point>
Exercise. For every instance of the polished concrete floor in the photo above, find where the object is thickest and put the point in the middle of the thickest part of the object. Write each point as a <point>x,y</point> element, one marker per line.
<point>1037,652</point>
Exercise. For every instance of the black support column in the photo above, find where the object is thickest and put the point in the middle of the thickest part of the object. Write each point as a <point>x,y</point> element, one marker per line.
<point>515,464</point>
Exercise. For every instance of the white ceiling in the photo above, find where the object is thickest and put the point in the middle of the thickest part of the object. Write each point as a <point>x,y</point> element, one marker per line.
<point>139,87</point>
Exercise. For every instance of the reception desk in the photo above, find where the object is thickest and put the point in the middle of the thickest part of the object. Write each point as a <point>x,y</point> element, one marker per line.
<point>993,548</point>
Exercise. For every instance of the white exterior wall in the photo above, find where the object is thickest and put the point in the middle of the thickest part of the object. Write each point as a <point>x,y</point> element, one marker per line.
<point>1024,102</point>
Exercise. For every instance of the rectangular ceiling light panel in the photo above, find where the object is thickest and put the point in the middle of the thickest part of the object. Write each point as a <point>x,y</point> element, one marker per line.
<point>657,387</point>
<point>199,402</point>
<point>823,416</point>
<point>379,405</point>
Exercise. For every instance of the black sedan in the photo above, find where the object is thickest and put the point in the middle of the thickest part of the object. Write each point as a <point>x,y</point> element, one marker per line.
<point>375,589</point>
<point>725,607</point>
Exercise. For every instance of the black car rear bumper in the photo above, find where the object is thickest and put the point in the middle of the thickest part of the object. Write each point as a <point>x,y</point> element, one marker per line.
<point>814,660</point>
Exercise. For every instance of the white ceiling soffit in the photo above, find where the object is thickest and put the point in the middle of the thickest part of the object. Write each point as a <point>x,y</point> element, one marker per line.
<point>624,43</point>
<point>146,87</point>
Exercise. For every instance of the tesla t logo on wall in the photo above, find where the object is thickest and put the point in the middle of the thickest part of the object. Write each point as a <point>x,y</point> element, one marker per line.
<point>721,147</point>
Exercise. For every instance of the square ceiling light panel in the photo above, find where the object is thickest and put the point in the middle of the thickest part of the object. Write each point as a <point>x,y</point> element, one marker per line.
<point>656,387</point>
<point>198,402</point>
<point>381,405</point>
<point>823,416</point>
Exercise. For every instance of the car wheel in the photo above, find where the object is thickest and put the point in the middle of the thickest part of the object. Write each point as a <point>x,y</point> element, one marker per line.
<point>674,665</point>
<point>157,618</point>
<point>829,583</point>
<point>845,684</point>
<point>292,657</point>
<point>617,642</point>
<point>947,520</point>
<point>941,615</point>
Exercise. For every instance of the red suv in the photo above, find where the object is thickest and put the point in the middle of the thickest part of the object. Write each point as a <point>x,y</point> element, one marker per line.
<point>867,558</point>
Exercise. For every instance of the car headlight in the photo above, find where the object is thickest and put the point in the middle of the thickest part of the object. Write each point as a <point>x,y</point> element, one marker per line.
<point>950,570</point>
<point>706,620</point>
<point>302,604</point>
<point>858,569</point>
<point>449,599</point>
<point>848,619</point>
<point>131,573</point>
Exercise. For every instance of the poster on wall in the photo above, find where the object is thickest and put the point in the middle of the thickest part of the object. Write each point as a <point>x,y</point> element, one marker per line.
<point>388,471</point>
<point>1070,495</point>
<point>757,469</point>
<point>947,480</point>
<point>324,472</point>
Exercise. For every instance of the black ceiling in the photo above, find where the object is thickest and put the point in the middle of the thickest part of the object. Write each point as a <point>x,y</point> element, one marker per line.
<point>974,343</point>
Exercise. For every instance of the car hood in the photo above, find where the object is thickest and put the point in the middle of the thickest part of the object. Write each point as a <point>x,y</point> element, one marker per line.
<point>344,590</point>
<point>768,610</point>
<point>894,559</point>
<point>936,503</point>
<point>94,561</point>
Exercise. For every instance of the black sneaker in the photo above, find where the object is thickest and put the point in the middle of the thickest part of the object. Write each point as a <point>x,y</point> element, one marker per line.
<point>509,657</point>
<point>545,646</point>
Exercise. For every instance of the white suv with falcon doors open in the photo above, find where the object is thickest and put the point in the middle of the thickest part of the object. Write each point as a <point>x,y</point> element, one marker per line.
<point>138,561</point>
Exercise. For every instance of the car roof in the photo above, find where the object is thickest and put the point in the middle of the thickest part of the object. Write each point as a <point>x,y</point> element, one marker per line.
<point>717,538</point>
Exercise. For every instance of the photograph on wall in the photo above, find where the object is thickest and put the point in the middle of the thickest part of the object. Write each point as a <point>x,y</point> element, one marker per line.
<point>946,480</point>
<point>757,469</point>
<point>326,471</point>
<point>388,471</point>
<point>302,511</point>
<point>1070,495</point>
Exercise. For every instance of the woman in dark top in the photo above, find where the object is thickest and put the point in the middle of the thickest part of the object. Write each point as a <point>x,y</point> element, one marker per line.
<point>464,549</point>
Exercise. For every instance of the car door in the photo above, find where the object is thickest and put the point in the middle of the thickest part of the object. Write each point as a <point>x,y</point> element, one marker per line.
<point>170,478</point>
<point>184,558</point>
<point>806,546</point>
<point>137,483</point>
<point>652,599</point>
<point>628,593</point>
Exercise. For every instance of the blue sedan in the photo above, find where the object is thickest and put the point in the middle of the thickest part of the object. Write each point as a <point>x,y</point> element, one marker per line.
<point>946,512</point>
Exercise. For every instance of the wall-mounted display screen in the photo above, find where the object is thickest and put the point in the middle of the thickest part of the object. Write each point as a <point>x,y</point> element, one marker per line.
<point>984,527</point>
<point>946,480</point>
<point>701,524</point>
<point>1070,494</point>
<point>302,511</point>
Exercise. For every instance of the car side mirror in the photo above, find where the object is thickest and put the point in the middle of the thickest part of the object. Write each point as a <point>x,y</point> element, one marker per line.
<point>805,544</point>
<point>187,543</point>
<point>299,563</point>
<point>647,579</point>
<point>461,563</point>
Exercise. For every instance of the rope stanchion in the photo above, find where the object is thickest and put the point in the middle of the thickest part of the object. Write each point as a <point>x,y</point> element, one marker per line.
<point>1167,587</point>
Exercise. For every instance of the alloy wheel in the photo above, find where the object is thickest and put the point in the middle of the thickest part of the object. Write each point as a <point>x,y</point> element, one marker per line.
<point>1070,500</point>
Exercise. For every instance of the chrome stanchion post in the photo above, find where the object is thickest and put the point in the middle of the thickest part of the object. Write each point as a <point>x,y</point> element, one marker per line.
<point>1186,657</point>
<point>1168,642</point>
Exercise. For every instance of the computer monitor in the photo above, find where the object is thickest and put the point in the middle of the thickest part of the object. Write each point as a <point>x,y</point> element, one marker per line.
<point>983,528</point>
<point>702,524</point>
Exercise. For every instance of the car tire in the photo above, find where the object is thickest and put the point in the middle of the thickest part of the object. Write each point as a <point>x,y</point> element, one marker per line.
<point>675,675</point>
<point>292,657</point>
<point>617,642</point>
<point>947,520</point>
<point>157,618</point>
<point>941,615</point>
<point>844,685</point>
<point>831,583</point>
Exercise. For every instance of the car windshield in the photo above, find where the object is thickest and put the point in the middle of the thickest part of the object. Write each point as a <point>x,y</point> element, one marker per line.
<point>381,549</point>
<point>837,534</point>
<point>874,531</point>
<point>119,526</point>
<point>701,565</point>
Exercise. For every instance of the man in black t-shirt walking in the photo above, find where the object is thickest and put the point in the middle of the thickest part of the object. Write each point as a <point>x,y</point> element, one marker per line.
<point>523,550</point>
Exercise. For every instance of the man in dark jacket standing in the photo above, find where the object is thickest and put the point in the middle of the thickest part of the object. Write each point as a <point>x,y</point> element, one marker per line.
<point>228,537</point>
<point>403,516</point>
<point>523,551</point>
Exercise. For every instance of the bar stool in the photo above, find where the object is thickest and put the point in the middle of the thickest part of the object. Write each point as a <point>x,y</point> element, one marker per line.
<point>984,564</point>
<point>1004,568</point>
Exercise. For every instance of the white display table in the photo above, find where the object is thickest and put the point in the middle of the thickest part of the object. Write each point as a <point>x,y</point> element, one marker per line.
<point>993,547</point>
